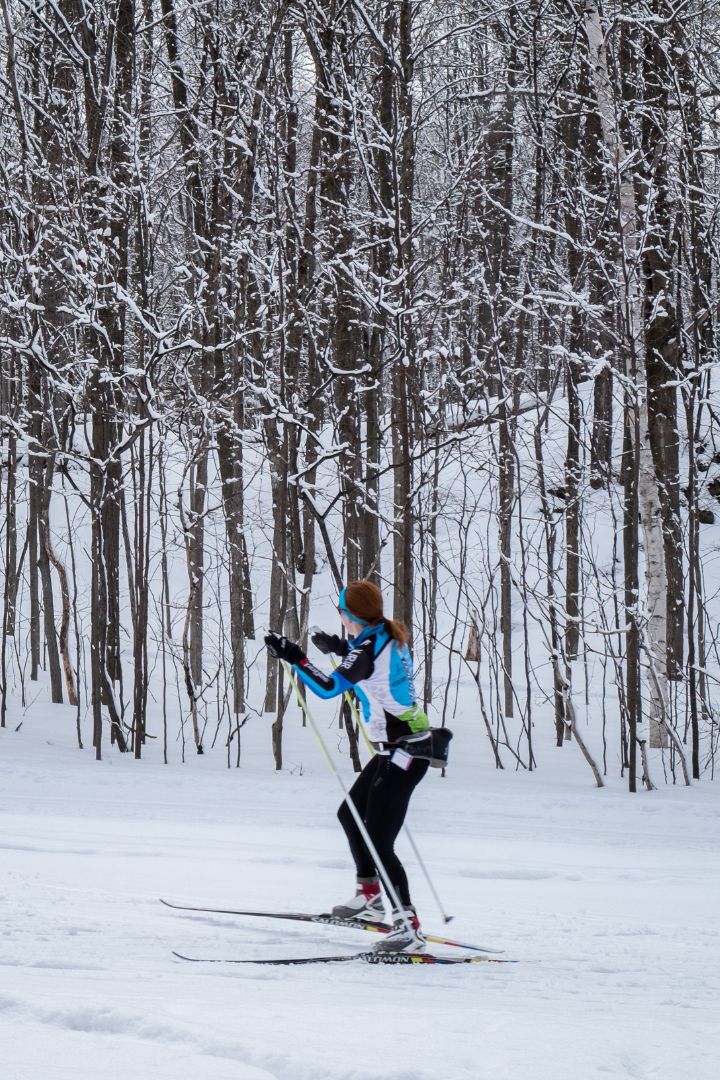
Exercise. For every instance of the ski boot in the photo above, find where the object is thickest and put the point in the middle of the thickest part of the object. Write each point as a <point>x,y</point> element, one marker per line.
<point>366,905</point>
<point>405,936</point>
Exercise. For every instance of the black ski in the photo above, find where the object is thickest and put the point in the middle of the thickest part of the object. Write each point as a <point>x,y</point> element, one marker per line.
<point>365,957</point>
<point>325,920</point>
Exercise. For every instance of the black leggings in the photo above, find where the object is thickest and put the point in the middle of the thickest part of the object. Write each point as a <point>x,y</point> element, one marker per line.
<point>382,794</point>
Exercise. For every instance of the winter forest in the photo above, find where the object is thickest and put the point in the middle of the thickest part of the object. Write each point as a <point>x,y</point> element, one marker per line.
<point>294,292</point>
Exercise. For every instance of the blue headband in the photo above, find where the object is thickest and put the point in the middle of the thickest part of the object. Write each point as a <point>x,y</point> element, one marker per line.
<point>342,605</point>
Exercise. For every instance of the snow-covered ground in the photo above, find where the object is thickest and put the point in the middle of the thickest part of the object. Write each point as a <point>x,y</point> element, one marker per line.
<point>608,901</point>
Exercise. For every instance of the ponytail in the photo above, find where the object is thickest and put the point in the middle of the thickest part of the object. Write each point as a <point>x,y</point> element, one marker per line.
<point>397,630</point>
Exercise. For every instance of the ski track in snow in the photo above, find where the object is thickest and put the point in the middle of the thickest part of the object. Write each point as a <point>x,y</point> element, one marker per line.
<point>609,904</point>
<point>107,1021</point>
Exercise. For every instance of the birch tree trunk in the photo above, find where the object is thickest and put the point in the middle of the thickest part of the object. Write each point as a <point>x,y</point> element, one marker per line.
<point>663,338</point>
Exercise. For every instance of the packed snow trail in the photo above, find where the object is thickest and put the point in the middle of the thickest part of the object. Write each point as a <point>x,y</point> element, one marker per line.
<point>609,902</point>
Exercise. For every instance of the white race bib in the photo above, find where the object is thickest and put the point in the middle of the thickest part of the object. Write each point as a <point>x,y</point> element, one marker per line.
<point>402,759</point>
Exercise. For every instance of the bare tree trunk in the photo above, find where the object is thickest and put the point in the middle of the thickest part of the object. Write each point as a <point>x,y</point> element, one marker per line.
<point>633,311</point>
<point>35,481</point>
<point>573,475</point>
<point>570,131</point>
<point>191,649</point>
<point>404,381</point>
<point>662,334</point>
<point>61,642</point>
<point>11,576</point>
<point>9,585</point>
<point>196,562</point>
<point>506,496</point>
<point>699,339</point>
<point>633,695</point>
<point>278,591</point>
<point>231,471</point>
<point>601,437</point>
<point>561,722</point>
<point>143,504</point>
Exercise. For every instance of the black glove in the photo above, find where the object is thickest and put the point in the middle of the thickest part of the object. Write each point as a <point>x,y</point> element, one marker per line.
<point>329,643</point>
<point>284,649</point>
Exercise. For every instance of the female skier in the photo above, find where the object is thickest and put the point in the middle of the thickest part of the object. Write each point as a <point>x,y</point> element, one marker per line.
<point>377,666</point>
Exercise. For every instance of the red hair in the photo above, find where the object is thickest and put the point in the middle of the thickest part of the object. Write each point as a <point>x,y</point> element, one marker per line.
<point>364,599</point>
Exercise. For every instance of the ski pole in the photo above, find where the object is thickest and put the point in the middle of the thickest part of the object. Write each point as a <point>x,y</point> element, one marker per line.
<point>356,716</point>
<point>392,893</point>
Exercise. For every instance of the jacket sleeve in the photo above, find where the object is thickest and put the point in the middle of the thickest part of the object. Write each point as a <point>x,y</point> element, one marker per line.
<point>357,665</point>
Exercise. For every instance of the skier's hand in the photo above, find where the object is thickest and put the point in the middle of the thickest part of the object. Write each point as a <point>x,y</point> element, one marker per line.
<point>284,649</point>
<point>329,643</point>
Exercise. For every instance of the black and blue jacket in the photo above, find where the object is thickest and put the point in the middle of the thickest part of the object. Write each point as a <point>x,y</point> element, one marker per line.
<point>380,672</point>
